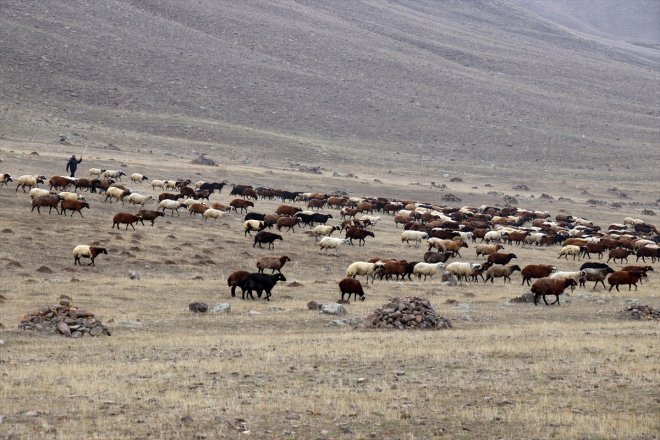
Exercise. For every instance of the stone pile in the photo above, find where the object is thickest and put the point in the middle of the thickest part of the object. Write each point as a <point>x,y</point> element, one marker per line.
<point>64,319</point>
<point>410,312</point>
<point>640,312</point>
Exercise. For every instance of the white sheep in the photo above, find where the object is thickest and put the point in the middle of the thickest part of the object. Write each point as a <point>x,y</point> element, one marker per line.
<point>158,184</point>
<point>570,249</point>
<point>36,192</point>
<point>86,251</point>
<point>373,219</point>
<point>465,236</point>
<point>189,202</point>
<point>578,276</point>
<point>170,184</point>
<point>332,243</point>
<point>172,205</point>
<point>427,269</point>
<point>534,238</point>
<point>414,236</point>
<point>96,171</point>
<point>138,199</point>
<point>462,269</point>
<point>30,181</point>
<point>116,193</point>
<point>324,230</point>
<point>631,222</point>
<point>496,236</point>
<point>211,213</point>
<point>252,225</point>
<point>138,178</point>
<point>114,174</point>
<point>198,184</point>
<point>364,268</point>
<point>66,195</point>
<point>642,242</point>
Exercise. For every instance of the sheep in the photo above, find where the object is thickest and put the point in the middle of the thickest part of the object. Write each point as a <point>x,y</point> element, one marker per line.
<point>235,279</point>
<point>365,268</point>
<point>138,178</point>
<point>287,222</point>
<point>287,210</point>
<point>500,258</point>
<point>126,218</point>
<point>624,277</point>
<point>138,199</point>
<point>414,236</point>
<point>447,245</point>
<point>30,181</point>
<point>61,182</point>
<point>358,234</point>
<point>398,268</point>
<point>253,225</point>
<point>501,271</point>
<point>266,237</point>
<point>462,269</point>
<point>427,269</point>
<point>577,276</point>
<point>206,186</point>
<point>50,200</point>
<point>436,257</point>
<point>649,251</point>
<point>532,271</point>
<point>197,208</point>
<point>36,192</point>
<point>241,204</point>
<point>172,205</point>
<point>116,193</point>
<point>272,263</point>
<point>158,184</point>
<point>213,213</point>
<point>496,236</point>
<point>70,196</point>
<point>186,191</point>
<point>324,231</point>
<point>96,172</point>
<point>332,243</point>
<point>114,174</point>
<point>103,185</point>
<point>597,275</point>
<point>550,286</point>
<point>150,215</point>
<point>86,251</point>
<point>487,249</point>
<point>74,206</point>
<point>260,282</point>
<point>479,273</point>
<point>351,286</point>
<point>570,249</point>
<point>618,254</point>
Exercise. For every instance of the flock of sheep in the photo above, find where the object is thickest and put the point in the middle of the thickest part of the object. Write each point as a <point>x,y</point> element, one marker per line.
<point>445,230</point>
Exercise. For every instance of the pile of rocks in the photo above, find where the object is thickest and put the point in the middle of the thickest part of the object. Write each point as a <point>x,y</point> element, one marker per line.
<point>64,319</point>
<point>640,312</point>
<point>410,312</point>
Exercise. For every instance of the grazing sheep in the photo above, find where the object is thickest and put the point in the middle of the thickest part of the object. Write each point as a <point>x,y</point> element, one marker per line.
<point>235,279</point>
<point>332,243</point>
<point>414,236</point>
<point>138,199</point>
<point>50,200</point>
<point>550,286</point>
<point>427,269</point>
<point>324,231</point>
<point>29,181</point>
<point>260,282</point>
<point>96,172</point>
<point>149,215</point>
<point>500,258</point>
<point>570,249</point>
<point>462,269</point>
<point>266,237</point>
<point>532,271</point>
<point>487,249</point>
<point>272,263</point>
<point>624,277</point>
<point>116,193</point>
<point>74,206</point>
<point>366,269</point>
<point>213,213</point>
<point>172,205</point>
<point>501,272</point>
<point>351,286</point>
<point>138,178</point>
<point>126,218</point>
<point>597,275</point>
<point>85,251</point>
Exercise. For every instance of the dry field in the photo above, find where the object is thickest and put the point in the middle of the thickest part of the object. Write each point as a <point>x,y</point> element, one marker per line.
<point>277,370</point>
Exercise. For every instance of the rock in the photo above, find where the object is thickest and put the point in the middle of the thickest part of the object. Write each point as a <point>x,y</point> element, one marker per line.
<point>64,329</point>
<point>134,275</point>
<point>294,284</point>
<point>407,313</point>
<point>333,309</point>
<point>198,307</point>
<point>313,305</point>
<point>44,269</point>
<point>203,160</point>
<point>253,313</point>
<point>448,279</point>
<point>525,298</point>
<point>221,308</point>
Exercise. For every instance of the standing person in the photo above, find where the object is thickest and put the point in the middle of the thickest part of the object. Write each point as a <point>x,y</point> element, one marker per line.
<point>72,165</point>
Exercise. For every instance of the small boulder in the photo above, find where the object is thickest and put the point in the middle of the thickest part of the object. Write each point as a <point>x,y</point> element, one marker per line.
<point>313,305</point>
<point>221,308</point>
<point>198,307</point>
<point>333,309</point>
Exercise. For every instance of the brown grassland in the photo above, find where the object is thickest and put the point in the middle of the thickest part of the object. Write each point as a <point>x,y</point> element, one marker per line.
<point>504,371</point>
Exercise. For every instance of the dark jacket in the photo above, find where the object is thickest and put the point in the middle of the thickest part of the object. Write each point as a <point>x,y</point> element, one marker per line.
<point>72,164</point>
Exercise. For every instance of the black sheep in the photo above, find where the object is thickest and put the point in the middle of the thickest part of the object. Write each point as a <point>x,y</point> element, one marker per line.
<point>266,237</point>
<point>260,282</point>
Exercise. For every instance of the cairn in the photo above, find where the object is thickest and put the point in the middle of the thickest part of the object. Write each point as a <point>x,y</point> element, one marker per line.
<point>410,312</point>
<point>64,319</point>
<point>641,313</point>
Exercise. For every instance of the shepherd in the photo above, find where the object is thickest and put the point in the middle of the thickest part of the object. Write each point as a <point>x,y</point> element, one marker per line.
<point>72,165</point>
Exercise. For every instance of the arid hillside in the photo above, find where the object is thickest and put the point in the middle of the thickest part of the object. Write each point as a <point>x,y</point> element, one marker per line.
<point>475,84</point>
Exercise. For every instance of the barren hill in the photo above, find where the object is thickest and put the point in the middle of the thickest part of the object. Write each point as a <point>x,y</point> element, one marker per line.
<point>478,83</point>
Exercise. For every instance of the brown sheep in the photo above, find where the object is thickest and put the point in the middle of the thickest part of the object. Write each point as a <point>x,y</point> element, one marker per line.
<point>249,193</point>
<point>336,202</point>
<point>241,204</point>
<point>595,248</point>
<point>316,203</point>
<point>126,218</point>
<point>501,271</point>
<point>396,268</point>
<point>272,263</point>
<point>149,215</point>
<point>220,207</point>
<point>74,206</point>
<point>536,271</point>
<point>348,212</point>
<point>648,252</point>
<point>358,234</point>
<point>287,222</point>
<point>487,249</point>
<point>624,277</point>
<point>287,210</point>
<point>50,200</point>
<point>60,182</point>
<point>401,219</point>
<point>235,279</point>
<point>168,196</point>
<point>197,208</point>
<point>365,207</point>
<point>618,254</point>
<point>517,237</point>
<point>550,286</point>
<point>500,258</point>
<point>351,286</point>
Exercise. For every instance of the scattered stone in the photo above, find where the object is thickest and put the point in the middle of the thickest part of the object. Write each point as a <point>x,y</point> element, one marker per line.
<point>455,179</point>
<point>198,307</point>
<point>510,200</point>
<point>449,197</point>
<point>203,160</point>
<point>313,305</point>
<point>644,212</point>
<point>640,312</point>
<point>134,275</point>
<point>407,313</point>
<point>596,202</point>
<point>186,420</point>
<point>66,320</point>
<point>45,269</point>
<point>333,309</point>
<point>545,196</point>
<point>221,308</point>
<point>448,279</point>
<point>7,231</point>
<point>294,284</point>
<point>521,187</point>
<point>525,298</point>
<point>253,313</point>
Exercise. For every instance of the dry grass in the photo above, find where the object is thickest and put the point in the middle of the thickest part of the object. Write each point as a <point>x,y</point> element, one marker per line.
<point>505,370</point>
